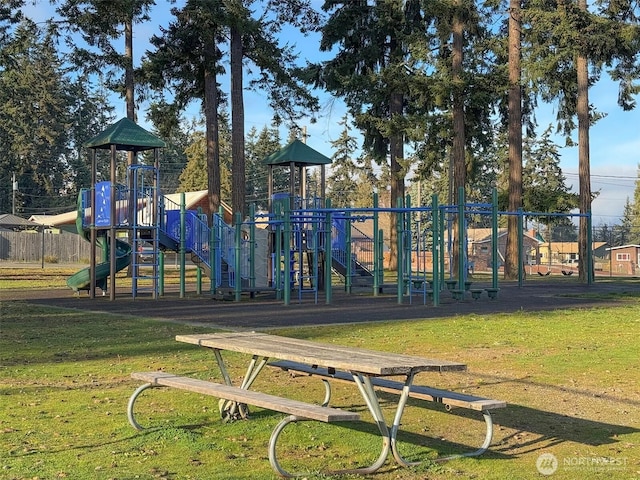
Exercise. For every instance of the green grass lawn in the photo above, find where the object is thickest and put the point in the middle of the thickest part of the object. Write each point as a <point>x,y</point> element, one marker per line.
<point>570,378</point>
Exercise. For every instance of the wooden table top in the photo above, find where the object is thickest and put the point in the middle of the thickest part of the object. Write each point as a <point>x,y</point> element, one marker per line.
<point>370,362</point>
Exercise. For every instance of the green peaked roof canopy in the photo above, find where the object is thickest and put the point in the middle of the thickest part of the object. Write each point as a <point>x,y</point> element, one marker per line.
<point>299,153</point>
<point>125,135</point>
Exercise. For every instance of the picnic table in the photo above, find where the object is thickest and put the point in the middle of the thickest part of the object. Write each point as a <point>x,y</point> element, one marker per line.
<point>362,364</point>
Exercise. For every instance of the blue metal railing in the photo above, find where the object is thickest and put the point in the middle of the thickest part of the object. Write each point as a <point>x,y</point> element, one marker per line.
<point>226,251</point>
<point>362,246</point>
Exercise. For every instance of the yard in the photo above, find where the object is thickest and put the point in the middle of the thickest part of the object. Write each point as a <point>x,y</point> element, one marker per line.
<point>570,379</point>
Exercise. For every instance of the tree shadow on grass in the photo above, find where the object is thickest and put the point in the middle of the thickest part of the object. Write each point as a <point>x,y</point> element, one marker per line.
<point>527,430</point>
<point>531,429</point>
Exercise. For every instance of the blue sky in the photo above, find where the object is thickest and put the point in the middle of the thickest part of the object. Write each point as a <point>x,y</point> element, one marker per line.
<point>614,140</point>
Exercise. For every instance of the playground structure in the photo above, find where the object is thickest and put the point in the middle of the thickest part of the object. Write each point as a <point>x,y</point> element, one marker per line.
<point>295,248</point>
<point>287,251</point>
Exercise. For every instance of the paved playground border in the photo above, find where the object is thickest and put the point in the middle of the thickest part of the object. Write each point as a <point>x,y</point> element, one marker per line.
<point>265,311</point>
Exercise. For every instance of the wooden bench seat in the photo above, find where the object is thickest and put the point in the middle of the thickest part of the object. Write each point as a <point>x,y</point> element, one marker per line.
<point>296,410</point>
<point>449,399</point>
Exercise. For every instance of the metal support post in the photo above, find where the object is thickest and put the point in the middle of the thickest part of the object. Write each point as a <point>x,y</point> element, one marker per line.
<point>328,254</point>
<point>182,251</point>
<point>437,233</point>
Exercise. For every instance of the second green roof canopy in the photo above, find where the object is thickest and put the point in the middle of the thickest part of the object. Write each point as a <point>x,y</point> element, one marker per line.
<point>125,135</point>
<point>298,153</point>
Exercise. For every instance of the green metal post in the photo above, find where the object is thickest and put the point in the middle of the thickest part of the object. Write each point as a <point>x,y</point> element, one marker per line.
<point>380,250</point>
<point>436,252</point>
<point>408,253</point>
<point>589,250</point>
<point>213,247</point>
<point>252,246</point>
<point>328,254</point>
<point>399,248</point>
<point>277,255</point>
<point>377,261</point>
<point>348,277</point>
<point>520,247</point>
<point>443,218</point>
<point>182,250</point>
<point>461,238</point>
<point>161,273</point>
<point>316,256</point>
<point>237,288</point>
<point>494,238</point>
<point>287,254</point>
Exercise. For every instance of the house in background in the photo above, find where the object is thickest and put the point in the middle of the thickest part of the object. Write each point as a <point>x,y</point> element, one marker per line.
<point>479,248</point>
<point>197,200</point>
<point>13,223</point>
<point>566,253</point>
<point>625,259</point>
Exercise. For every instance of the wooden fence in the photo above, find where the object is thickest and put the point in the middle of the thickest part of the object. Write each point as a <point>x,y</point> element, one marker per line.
<point>52,247</point>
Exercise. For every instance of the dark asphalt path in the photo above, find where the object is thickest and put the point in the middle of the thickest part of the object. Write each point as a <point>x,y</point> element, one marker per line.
<point>264,311</point>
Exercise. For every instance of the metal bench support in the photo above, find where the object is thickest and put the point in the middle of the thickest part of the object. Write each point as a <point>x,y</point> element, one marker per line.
<point>423,393</point>
<point>238,395</point>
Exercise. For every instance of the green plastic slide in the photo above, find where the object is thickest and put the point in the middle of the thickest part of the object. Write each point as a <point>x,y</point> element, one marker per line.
<point>81,280</point>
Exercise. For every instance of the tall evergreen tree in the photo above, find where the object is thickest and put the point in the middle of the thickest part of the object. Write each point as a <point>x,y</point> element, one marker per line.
<point>238,16</point>
<point>571,46</point>
<point>342,180</point>
<point>633,219</point>
<point>367,182</point>
<point>176,131</point>
<point>250,41</point>
<point>259,146</point>
<point>194,175</point>
<point>256,41</point>
<point>370,72</point>
<point>10,14</point>
<point>585,270</point>
<point>186,62</point>
<point>626,224</point>
<point>90,113</point>
<point>101,24</point>
<point>544,188</point>
<point>34,122</point>
<point>512,260</point>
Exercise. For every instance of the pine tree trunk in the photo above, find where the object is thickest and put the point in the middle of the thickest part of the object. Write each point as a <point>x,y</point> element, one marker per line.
<point>515,141</point>
<point>129,86</point>
<point>238,181</point>
<point>457,151</point>
<point>584,173</point>
<point>211,121</point>
<point>128,73</point>
<point>396,154</point>
<point>396,150</point>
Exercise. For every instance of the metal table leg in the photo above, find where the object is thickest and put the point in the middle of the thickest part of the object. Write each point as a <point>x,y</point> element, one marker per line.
<point>388,434</point>
<point>230,410</point>
<point>402,402</point>
<point>366,389</point>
